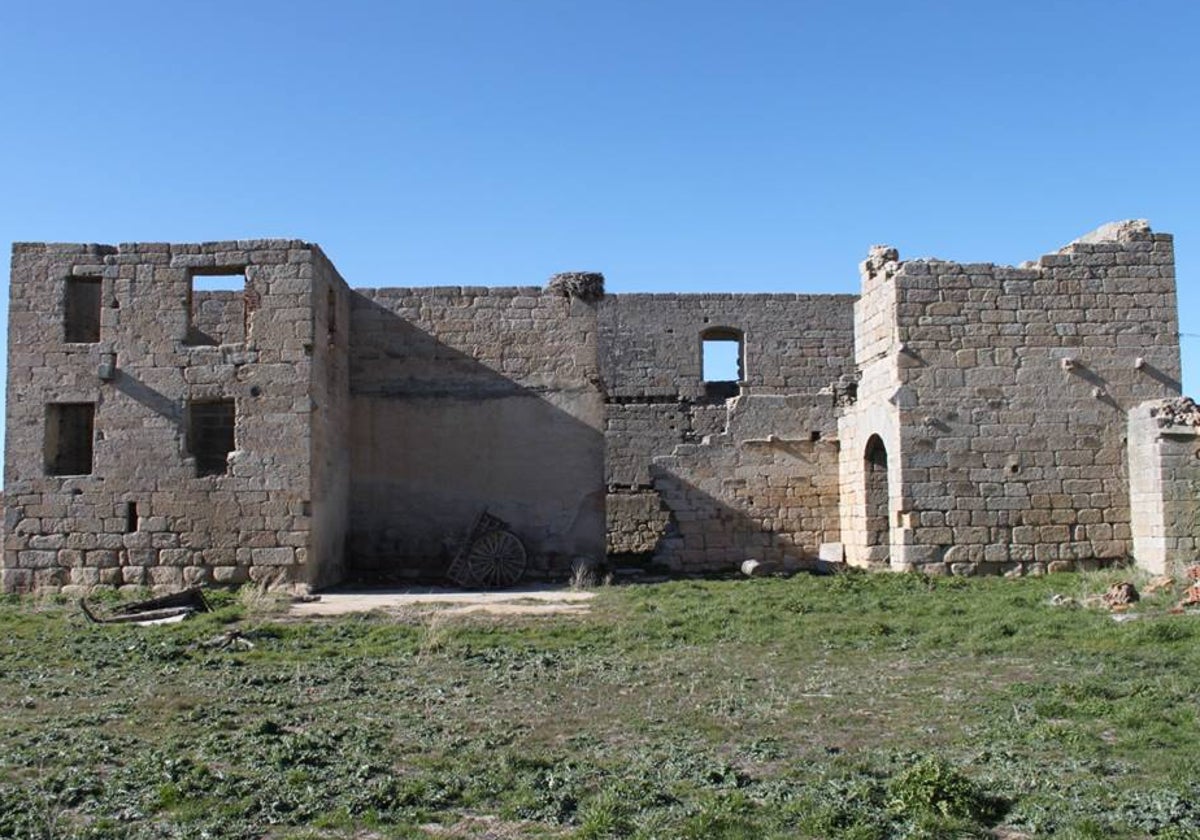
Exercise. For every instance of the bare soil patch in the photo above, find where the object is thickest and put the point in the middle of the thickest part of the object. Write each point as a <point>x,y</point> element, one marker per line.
<point>525,600</point>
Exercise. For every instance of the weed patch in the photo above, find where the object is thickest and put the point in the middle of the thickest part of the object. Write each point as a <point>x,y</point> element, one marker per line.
<point>851,706</point>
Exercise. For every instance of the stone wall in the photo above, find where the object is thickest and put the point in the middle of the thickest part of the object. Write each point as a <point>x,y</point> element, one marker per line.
<point>670,452</point>
<point>870,417</point>
<point>466,398</point>
<point>794,344</point>
<point>954,418</point>
<point>138,513</point>
<point>1014,385</point>
<point>764,490</point>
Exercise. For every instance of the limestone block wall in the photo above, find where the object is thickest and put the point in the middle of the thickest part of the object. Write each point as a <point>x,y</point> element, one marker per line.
<point>658,404</point>
<point>1016,383</point>
<point>956,417</point>
<point>465,398</point>
<point>650,344</point>
<point>131,506</point>
<point>872,532</point>
<point>1164,485</point>
<point>218,317</point>
<point>766,490</point>
<point>637,523</point>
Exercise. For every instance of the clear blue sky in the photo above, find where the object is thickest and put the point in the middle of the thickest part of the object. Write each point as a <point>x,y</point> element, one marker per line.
<point>676,145</point>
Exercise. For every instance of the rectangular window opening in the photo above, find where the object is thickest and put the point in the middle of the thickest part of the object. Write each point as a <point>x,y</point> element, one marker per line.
<point>131,517</point>
<point>211,435</point>
<point>81,310</point>
<point>722,360</point>
<point>217,306</point>
<point>69,433</point>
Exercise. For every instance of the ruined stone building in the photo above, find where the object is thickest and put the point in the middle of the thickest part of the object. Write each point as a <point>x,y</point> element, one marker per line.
<point>953,418</point>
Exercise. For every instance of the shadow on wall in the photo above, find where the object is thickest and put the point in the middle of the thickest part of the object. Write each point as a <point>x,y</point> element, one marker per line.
<point>440,435</point>
<point>708,534</point>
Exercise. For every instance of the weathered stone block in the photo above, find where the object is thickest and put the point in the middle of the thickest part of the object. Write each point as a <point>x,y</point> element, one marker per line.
<point>281,556</point>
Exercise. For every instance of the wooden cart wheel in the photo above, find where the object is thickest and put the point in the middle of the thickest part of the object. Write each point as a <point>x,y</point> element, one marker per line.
<point>496,559</point>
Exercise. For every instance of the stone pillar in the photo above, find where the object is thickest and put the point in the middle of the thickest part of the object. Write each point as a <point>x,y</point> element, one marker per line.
<point>1164,484</point>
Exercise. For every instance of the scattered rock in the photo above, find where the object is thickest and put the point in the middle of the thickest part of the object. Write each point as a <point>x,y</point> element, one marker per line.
<point>1158,584</point>
<point>231,640</point>
<point>1121,595</point>
<point>1191,597</point>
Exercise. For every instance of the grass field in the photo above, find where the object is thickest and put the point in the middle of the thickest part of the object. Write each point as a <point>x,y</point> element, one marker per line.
<point>849,706</point>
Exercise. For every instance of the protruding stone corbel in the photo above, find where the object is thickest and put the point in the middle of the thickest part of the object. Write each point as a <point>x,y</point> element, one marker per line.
<point>107,369</point>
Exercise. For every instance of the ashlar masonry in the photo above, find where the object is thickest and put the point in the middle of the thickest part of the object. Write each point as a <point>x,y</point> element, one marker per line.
<point>297,432</point>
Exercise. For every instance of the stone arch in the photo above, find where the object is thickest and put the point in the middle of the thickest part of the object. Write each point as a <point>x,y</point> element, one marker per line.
<point>875,493</point>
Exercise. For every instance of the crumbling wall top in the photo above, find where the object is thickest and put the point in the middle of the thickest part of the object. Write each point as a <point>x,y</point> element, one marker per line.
<point>1178,411</point>
<point>588,286</point>
<point>1129,230</point>
<point>100,249</point>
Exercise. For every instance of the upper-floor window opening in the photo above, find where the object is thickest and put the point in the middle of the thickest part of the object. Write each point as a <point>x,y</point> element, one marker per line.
<point>70,429</point>
<point>216,306</point>
<point>81,310</point>
<point>211,435</point>
<point>722,361</point>
<point>722,355</point>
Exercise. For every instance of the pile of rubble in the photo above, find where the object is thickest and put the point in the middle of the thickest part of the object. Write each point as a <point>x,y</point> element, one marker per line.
<point>1181,411</point>
<point>1121,596</point>
<point>1192,596</point>
<point>585,285</point>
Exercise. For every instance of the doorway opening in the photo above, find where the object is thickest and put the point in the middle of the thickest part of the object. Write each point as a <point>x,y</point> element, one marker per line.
<point>875,471</point>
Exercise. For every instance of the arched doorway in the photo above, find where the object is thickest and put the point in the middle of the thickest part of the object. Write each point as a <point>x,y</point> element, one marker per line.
<point>875,473</point>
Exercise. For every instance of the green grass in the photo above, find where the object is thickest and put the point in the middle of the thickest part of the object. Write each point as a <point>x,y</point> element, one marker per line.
<point>852,706</point>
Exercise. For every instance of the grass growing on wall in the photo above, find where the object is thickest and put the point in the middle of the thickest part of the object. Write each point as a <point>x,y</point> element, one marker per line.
<point>852,706</point>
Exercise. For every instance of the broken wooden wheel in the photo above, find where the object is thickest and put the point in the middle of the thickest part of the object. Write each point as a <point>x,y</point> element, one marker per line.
<point>496,559</point>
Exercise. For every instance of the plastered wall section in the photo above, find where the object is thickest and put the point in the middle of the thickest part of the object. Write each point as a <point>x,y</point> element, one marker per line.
<point>143,516</point>
<point>1164,486</point>
<point>473,398</point>
<point>685,490</point>
<point>1016,384</point>
<point>330,420</point>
